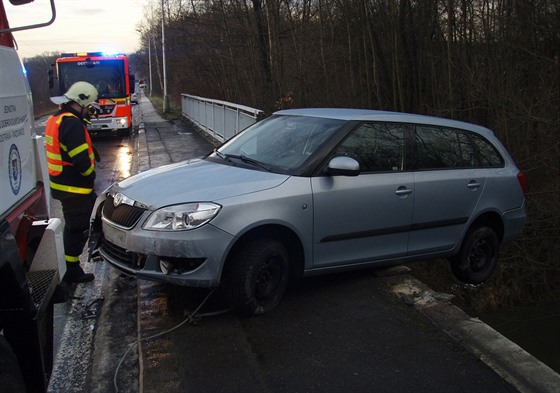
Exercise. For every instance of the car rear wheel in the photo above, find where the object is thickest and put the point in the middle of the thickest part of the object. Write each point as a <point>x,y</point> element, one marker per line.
<point>478,256</point>
<point>259,276</point>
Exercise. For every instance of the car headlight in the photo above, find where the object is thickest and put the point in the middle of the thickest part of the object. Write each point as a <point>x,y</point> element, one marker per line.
<point>181,217</point>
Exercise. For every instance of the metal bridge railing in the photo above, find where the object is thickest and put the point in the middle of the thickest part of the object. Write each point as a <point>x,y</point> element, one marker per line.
<point>220,119</point>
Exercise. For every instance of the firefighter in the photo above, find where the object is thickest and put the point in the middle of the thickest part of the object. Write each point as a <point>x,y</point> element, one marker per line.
<point>71,165</point>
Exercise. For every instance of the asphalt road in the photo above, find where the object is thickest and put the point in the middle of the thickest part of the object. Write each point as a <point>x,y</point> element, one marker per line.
<point>364,331</point>
<point>343,333</point>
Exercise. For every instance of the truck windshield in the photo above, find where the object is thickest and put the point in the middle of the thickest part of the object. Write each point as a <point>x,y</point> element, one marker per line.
<point>107,76</point>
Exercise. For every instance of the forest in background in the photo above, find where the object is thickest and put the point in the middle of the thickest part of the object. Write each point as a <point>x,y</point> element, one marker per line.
<point>489,62</point>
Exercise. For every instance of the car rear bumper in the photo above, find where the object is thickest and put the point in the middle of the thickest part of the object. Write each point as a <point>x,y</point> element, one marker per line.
<point>514,220</point>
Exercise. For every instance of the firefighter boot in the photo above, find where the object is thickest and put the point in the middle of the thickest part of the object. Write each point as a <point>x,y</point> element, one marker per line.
<point>75,274</point>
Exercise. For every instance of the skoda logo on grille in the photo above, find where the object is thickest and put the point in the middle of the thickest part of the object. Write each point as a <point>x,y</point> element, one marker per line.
<point>118,199</point>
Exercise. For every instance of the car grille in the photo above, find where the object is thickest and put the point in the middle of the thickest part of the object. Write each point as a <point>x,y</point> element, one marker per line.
<point>121,256</point>
<point>123,215</point>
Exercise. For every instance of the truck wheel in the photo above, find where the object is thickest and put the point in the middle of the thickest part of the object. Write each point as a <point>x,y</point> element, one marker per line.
<point>259,277</point>
<point>478,256</point>
<point>10,374</point>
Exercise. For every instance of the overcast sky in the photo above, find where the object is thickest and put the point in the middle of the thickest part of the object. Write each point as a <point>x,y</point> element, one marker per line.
<point>80,26</point>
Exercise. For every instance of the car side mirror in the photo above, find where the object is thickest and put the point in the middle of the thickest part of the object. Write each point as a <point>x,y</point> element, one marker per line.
<point>343,166</point>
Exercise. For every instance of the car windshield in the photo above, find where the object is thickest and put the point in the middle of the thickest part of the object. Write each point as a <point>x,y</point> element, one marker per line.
<point>280,143</point>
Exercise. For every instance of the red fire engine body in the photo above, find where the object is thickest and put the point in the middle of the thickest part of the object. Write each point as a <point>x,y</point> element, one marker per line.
<point>110,74</point>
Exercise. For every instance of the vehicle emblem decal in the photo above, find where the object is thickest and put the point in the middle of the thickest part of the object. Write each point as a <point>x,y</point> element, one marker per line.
<point>118,199</point>
<point>14,168</point>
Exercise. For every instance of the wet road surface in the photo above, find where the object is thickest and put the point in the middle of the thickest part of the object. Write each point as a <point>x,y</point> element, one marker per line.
<point>341,333</point>
<point>82,333</point>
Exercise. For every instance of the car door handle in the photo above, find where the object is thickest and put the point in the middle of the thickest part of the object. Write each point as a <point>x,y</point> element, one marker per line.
<point>473,184</point>
<point>403,191</point>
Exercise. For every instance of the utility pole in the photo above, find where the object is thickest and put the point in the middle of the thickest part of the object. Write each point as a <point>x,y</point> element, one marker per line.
<point>165,97</point>
<point>150,61</point>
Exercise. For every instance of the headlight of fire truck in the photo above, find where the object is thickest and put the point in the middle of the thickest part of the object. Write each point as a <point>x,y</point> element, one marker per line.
<point>122,122</point>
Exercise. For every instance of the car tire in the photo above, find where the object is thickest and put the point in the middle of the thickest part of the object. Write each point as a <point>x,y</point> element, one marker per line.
<point>259,277</point>
<point>478,256</point>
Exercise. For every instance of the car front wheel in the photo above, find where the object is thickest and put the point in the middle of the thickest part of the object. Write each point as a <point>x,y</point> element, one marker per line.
<point>259,276</point>
<point>478,256</point>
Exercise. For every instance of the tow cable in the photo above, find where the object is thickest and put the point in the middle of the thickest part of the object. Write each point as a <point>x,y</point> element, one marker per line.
<point>193,318</point>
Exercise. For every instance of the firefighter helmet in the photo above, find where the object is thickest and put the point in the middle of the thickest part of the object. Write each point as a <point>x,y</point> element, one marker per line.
<point>82,93</point>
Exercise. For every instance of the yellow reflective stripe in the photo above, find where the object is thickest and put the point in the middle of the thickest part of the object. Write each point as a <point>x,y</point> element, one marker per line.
<point>63,147</point>
<point>77,150</point>
<point>71,258</point>
<point>49,139</point>
<point>55,167</point>
<point>54,156</point>
<point>88,172</point>
<point>72,189</point>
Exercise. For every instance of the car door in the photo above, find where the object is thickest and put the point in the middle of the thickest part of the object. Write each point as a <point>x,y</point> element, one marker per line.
<point>448,184</point>
<point>366,217</point>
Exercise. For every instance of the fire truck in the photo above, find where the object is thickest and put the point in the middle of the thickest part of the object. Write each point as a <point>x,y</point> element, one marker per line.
<point>110,74</point>
<point>31,248</point>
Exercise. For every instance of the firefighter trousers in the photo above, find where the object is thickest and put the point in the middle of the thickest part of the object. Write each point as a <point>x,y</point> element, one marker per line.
<point>76,211</point>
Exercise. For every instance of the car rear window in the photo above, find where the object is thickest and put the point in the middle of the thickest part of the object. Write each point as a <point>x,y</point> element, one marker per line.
<point>439,148</point>
<point>443,148</point>
<point>489,156</point>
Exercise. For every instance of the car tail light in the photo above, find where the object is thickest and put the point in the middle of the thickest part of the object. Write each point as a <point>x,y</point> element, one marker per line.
<point>522,182</point>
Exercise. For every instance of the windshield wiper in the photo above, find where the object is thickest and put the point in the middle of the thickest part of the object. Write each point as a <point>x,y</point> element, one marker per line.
<point>221,155</point>
<point>249,161</point>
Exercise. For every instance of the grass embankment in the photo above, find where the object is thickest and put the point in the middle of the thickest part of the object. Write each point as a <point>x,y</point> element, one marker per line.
<point>174,108</point>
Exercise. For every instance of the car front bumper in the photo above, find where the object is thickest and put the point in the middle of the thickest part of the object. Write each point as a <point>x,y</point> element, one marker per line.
<point>189,258</point>
<point>108,124</point>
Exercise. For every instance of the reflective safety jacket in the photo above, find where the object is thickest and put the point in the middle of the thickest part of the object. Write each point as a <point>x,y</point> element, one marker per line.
<point>70,155</point>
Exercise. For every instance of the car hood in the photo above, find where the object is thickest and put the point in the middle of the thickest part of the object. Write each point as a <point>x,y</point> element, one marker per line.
<point>194,181</point>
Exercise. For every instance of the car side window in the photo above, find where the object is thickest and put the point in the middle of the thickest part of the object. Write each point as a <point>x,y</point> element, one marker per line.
<point>489,156</point>
<point>378,147</point>
<point>444,148</point>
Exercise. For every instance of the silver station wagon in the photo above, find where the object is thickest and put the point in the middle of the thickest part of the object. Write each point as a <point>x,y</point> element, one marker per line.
<point>313,191</point>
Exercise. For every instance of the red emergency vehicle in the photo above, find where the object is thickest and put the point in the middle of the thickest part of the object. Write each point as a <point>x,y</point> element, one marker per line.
<point>31,248</point>
<point>110,74</point>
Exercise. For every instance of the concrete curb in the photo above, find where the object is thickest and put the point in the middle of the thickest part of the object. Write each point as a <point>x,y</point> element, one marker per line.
<point>515,365</point>
<point>141,161</point>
